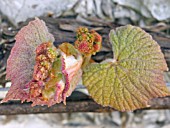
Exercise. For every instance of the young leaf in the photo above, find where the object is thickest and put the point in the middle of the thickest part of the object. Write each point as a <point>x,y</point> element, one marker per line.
<point>20,64</point>
<point>72,61</point>
<point>40,72</point>
<point>133,77</point>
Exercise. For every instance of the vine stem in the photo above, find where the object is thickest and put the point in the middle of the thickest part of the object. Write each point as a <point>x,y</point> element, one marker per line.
<point>86,60</point>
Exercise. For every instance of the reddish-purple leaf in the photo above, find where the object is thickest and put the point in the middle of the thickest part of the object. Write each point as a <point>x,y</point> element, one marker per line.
<point>40,72</point>
<point>21,61</point>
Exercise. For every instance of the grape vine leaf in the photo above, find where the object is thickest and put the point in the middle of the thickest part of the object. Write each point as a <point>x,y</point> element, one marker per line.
<point>20,64</point>
<point>39,71</point>
<point>133,77</point>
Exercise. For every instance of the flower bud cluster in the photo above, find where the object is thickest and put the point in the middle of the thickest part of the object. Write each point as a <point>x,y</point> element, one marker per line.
<point>88,42</point>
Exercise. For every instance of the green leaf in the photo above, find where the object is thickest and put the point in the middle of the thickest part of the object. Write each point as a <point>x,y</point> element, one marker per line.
<point>133,77</point>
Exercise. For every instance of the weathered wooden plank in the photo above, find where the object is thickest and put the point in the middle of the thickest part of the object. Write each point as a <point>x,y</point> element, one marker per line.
<point>78,102</point>
<point>14,108</point>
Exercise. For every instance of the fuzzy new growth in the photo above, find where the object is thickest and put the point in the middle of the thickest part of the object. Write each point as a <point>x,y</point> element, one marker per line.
<point>88,42</point>
<point>45,56</point>
<point>51,77</point>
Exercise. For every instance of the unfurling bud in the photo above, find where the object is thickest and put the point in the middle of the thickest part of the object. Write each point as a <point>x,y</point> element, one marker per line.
<point>88,42</point>
<point>54,72</point>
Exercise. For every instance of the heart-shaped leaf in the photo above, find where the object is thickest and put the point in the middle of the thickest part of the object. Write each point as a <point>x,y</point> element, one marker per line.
<point>133,77</point>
